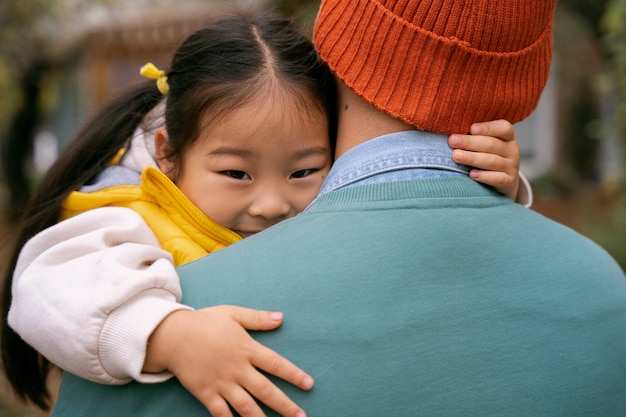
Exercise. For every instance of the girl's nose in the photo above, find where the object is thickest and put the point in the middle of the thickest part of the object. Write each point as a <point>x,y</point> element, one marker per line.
<point>270,204</point>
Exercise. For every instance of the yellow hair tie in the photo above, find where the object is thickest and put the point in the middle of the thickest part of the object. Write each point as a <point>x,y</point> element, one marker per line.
<point>151,71</point>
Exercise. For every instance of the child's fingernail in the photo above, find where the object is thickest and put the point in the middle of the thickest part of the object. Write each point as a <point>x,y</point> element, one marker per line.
<point>474,174</point>
<point>276,315</point>
<point>301,414</point>
<point>307,383</point>
<point>455,140</point>
<point>476,129</point>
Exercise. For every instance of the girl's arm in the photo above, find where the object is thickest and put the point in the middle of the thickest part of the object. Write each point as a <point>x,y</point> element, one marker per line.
<point>89,291</point>
<point>493,152</point>
<point>76,281</point>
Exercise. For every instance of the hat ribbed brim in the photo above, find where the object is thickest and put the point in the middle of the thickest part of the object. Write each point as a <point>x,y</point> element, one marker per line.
<point>433,82</point>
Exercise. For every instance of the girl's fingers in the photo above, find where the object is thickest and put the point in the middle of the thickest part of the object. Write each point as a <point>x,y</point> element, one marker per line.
<point>242,402</point>
<point>216,405</point>
<point>272,363</point>
<point>265,358</point>
<point>251,319</point>
<point>496,128</point>
<point>484,161</point>
<point>493,151</point>
<point>492,178</point>
<point>266,392</point>
<point>485,144</point>
<point>503,183</point>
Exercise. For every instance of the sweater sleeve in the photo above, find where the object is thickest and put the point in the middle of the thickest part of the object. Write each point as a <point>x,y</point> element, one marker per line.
<point>90,290</point>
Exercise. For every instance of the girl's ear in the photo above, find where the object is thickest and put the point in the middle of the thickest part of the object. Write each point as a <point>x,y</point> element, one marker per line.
<point>162,153</point>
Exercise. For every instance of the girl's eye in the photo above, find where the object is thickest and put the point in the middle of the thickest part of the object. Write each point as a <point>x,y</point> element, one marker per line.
<point>238,175</point>
<point>303,173</point>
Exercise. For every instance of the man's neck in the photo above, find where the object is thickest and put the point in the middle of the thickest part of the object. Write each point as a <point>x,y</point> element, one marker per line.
<point>359,121</point>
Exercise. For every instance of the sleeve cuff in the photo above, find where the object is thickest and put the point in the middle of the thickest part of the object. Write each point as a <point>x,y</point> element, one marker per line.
<point>524,192</point>
<point>122,343</point>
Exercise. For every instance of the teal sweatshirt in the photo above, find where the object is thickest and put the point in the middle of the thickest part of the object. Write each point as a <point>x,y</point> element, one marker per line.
<point>434,297</point>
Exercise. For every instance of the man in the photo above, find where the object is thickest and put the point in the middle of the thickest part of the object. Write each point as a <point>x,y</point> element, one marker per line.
<point>408,289</point>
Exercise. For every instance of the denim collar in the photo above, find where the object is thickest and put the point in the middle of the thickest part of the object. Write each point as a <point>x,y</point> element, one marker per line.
<point>397,156</point>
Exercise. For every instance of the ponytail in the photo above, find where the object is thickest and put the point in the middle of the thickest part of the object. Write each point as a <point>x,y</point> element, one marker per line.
<point>87,155</point>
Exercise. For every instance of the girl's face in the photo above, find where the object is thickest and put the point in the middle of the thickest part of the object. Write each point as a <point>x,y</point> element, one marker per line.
<point>262,163</point>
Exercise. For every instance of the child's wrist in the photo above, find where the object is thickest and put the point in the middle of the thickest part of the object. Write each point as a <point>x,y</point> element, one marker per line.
<point>163,342</point>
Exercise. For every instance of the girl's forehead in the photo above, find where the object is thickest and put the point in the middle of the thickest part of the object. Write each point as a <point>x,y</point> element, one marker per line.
<point>259,124</point>
<point>286,108</point>
<point>287,98</point>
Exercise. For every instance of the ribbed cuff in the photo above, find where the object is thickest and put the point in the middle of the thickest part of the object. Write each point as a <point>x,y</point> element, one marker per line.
<point>122,343</point>
<point>525,192</point>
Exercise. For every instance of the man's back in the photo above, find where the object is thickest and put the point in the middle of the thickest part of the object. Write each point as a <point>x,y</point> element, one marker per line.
<point>429,297</point>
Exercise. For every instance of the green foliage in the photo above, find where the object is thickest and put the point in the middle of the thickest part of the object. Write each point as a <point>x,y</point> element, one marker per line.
<point>18,45</point>
<point>553,185</point>
<point>10,99</point>
<point>590,10</point>
<point>31,35</point>
<point>609,229</point>
<point>304,11</point>
<point>614,27</point>
<point>26,28</point>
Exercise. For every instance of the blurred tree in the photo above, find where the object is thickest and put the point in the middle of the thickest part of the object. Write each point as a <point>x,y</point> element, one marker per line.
<point>304,11</point>
<point>579,60</point>
<point>21,29</point>
<point>607,18</point>
<point>18,144</point>
<point>590,10</point>
<point>595,103</point>
<point>614,29</point>
<point>30,33</point>
<point>34,38</point>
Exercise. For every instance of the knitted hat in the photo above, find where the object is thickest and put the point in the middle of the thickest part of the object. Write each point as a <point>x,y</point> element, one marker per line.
<point>440,65</point>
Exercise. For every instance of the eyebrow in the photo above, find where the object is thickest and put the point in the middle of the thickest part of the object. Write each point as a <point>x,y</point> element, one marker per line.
<point>244,153</point>
<point>311,151</point>
<point>225,150</point>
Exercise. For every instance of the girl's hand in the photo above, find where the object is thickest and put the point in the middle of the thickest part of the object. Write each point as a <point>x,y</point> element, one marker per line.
<point>214,358</point>
<point>492,149</point>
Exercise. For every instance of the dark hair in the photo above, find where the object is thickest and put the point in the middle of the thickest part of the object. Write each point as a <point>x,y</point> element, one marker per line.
<point>223,66</point>
<point>217,69</point>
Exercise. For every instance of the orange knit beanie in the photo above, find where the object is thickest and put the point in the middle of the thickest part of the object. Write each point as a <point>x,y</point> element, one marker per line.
<point>440,65</point>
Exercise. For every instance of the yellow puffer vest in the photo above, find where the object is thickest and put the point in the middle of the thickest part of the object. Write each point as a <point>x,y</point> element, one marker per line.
<point>183,230</point>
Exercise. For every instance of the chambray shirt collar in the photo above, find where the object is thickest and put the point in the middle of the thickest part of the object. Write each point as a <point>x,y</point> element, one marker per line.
<point>394,157</point>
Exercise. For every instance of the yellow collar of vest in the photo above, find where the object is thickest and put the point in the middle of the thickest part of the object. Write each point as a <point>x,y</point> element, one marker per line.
<point>181,227</point>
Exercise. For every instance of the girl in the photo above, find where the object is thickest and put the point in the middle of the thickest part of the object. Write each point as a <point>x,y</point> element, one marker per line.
<point>249,123</point>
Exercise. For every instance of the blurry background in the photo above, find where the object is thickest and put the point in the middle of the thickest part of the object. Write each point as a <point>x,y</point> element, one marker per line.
<point>61,59</point>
